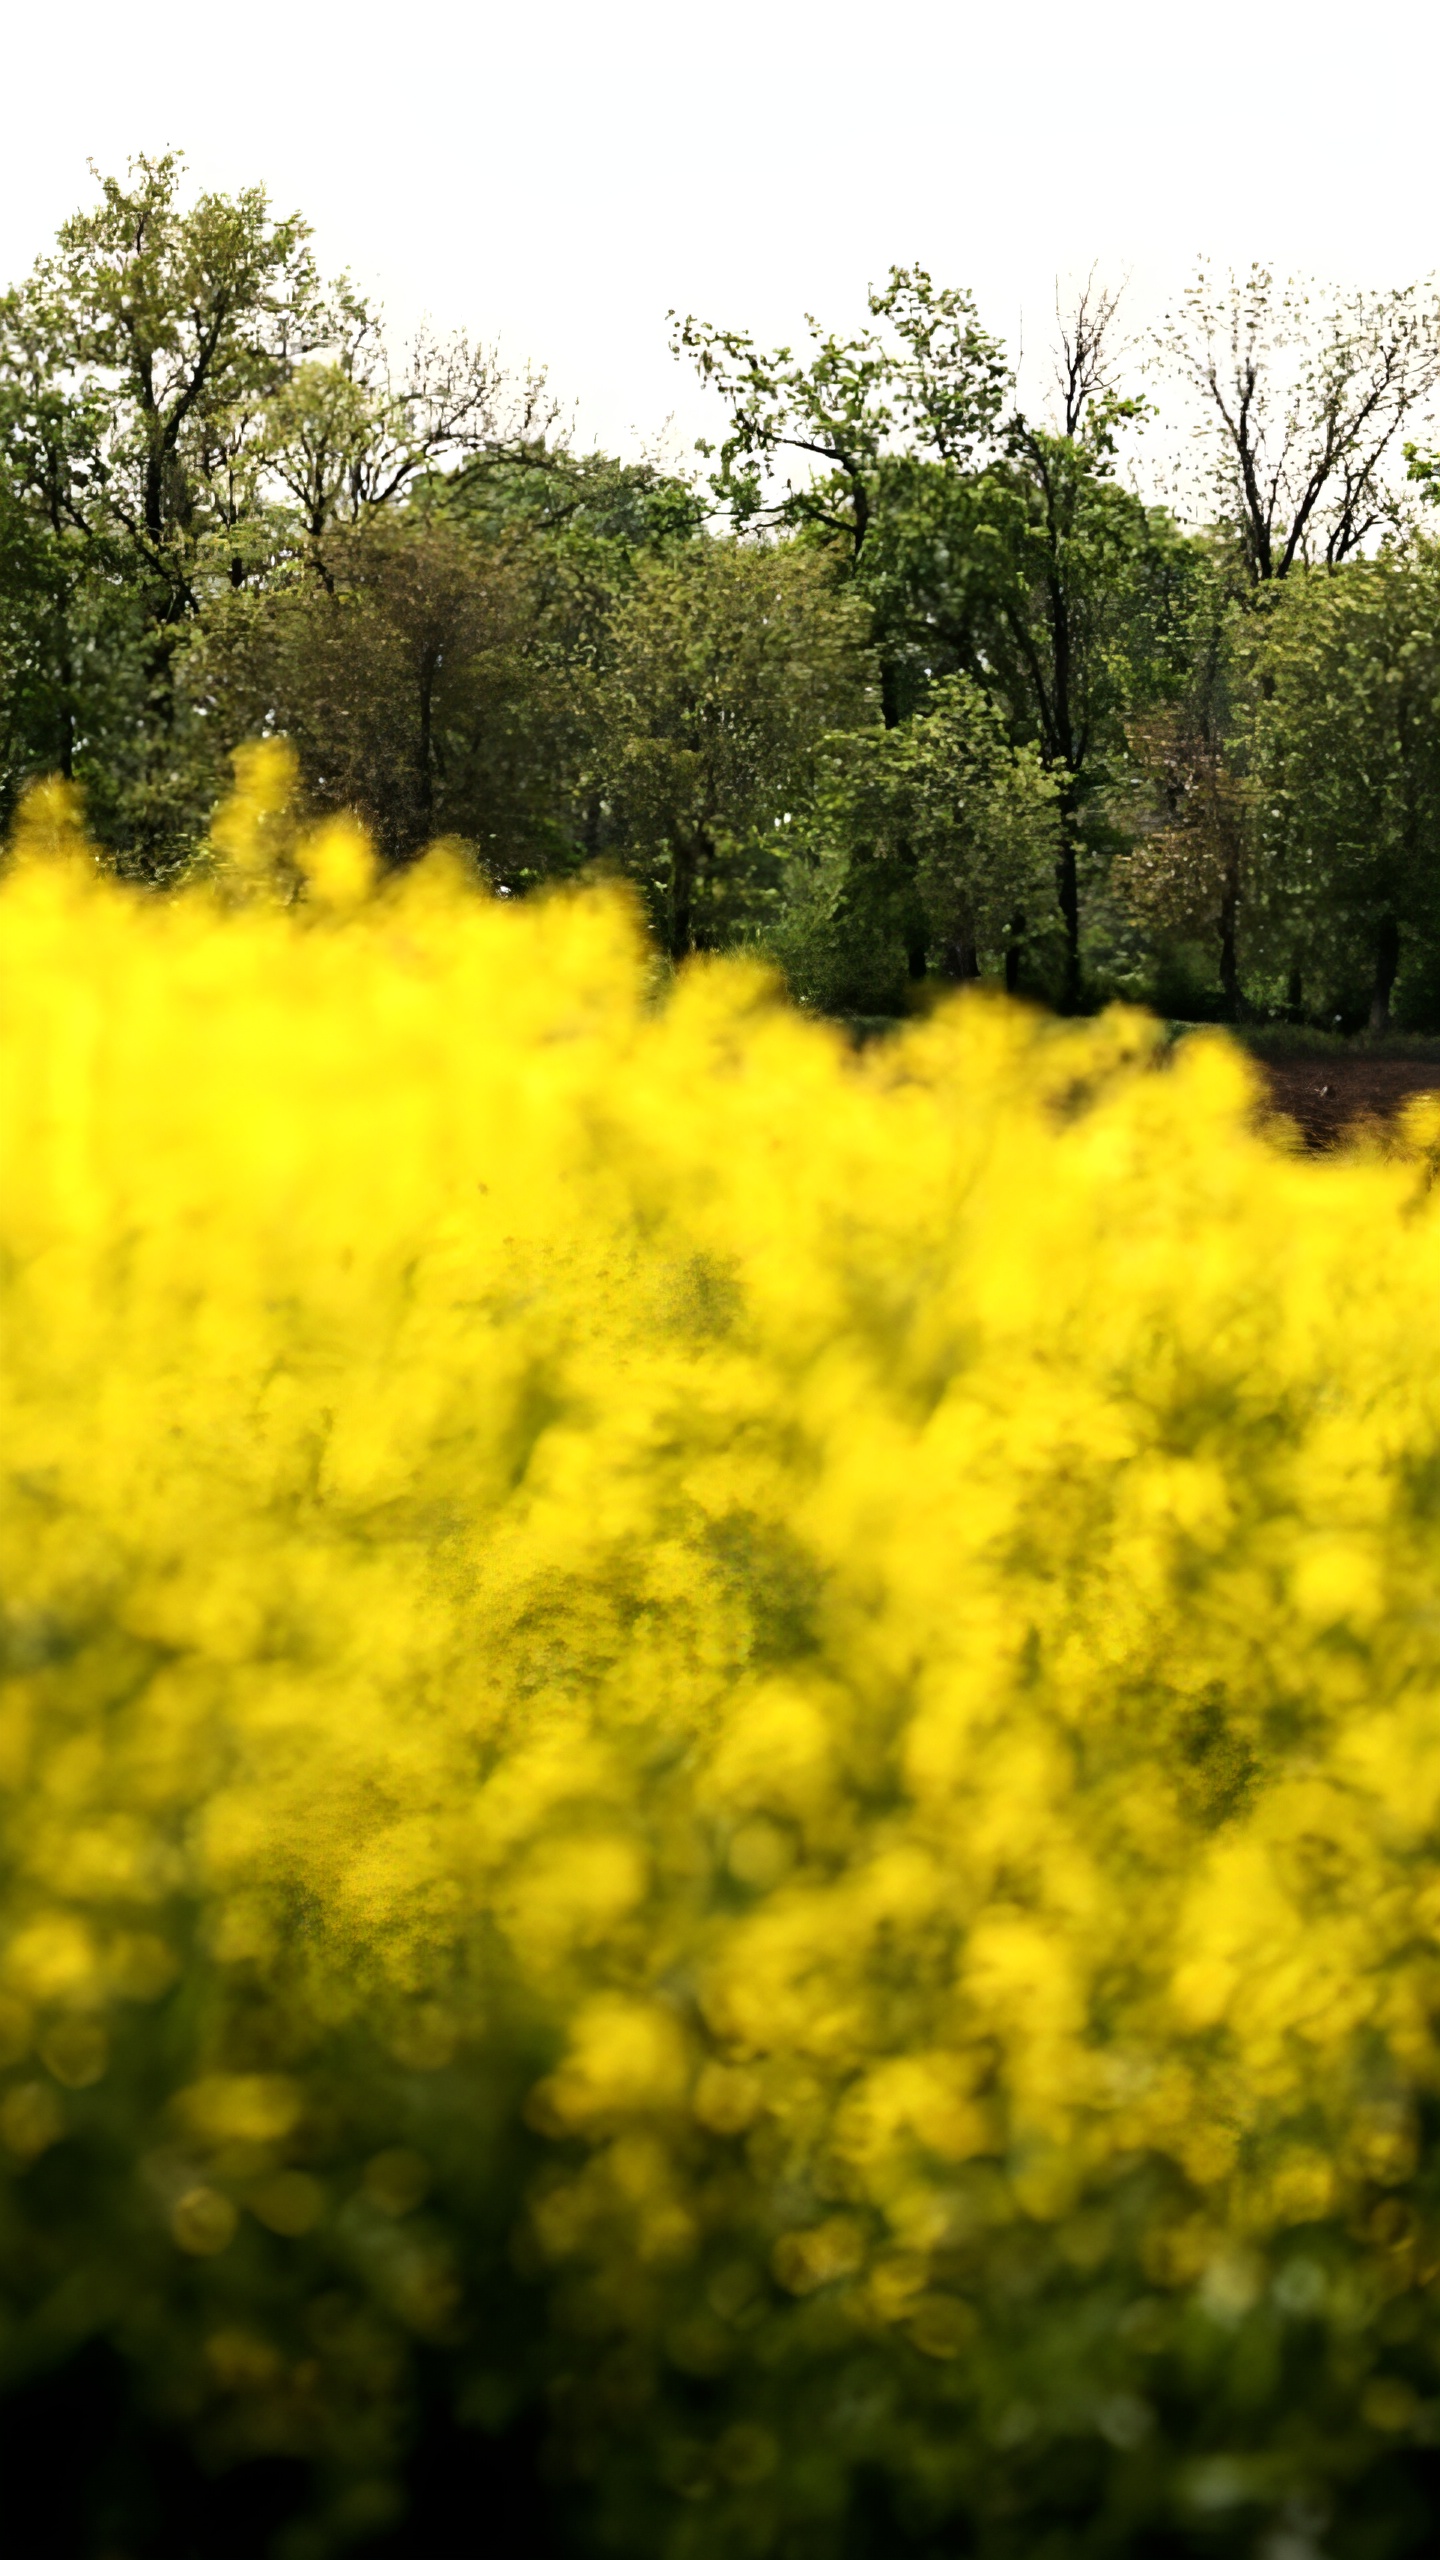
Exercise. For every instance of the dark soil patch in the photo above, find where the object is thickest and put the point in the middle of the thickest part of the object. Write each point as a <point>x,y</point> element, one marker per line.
<point>1327,1095</point>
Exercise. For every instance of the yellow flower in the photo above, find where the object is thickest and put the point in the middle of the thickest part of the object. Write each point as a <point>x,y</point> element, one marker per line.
<point>848,1639</point>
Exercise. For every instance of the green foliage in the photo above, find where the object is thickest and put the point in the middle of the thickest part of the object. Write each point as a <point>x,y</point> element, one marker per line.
<point>937,380</point>
<point>1190,870</point>
<point>188,408</point>
<point>1345,750</point>
<point>935,835</point>
<point>226,511</point>
<point>728,663</point>
<point>989,546</point>
<point>419,682</point>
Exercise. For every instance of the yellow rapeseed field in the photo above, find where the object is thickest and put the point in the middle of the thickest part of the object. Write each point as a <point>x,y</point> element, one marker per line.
<point>748,1733</point>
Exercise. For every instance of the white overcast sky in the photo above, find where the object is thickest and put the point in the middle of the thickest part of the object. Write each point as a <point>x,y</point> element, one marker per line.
<point>560,176</point>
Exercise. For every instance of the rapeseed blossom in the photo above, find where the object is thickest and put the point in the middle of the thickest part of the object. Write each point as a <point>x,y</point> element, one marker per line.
<point>746,1732</point>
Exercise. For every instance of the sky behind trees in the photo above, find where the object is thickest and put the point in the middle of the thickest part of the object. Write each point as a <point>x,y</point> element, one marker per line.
<point>562,179</point>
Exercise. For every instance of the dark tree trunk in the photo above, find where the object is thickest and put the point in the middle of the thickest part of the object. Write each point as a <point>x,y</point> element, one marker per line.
<point>1387,962</point>
<point>917,952</point>
<point>1067,744</point>
<point>961,960</point>
<point>66,672</point>
<point>682,903</point>
<point>425,753</point>
<point>154,487</point>
<point>686,863</point>
<point>161,687</point>
<point>1067,883</point>
<point>1295,992</point>
<point>1014,949</point>
<point>1231,1006</point>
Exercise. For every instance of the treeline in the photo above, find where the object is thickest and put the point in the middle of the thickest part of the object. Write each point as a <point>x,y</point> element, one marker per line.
<point>911,684</point>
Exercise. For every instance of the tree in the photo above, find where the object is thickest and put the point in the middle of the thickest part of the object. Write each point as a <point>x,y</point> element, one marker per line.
<point>122,358</point>
<point>42,608</point>
<point>1344,677</point>
<point>1088,619</point>
<point>580,522</point>
<point>440,671</point>
<point>1422,469</point>
<point>810,438</point>
<point>1052,585</point>
<point>1304,399</point>
<point>413,682</point>
<point>188,407</point>
<point>163,329</point>
<point>348,439</point>
<point>996,548</point>
<point>71,617</point>
<point>729,662</point>
<point>937,834</point>
<point>1191,871</point>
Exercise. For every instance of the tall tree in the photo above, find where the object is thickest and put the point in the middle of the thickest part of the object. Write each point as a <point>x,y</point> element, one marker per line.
<point>186,406</point>
<point>353,437</point>
<point>1042,576</point>
<point>981,543</point>
<point>1303,402</point>
<point>1191,871</point>
<point>416,687</point>
<point>813,439</point>
<point>730,662</point>
<point>1089,621</point>
<point>1344,678</point>
<point>939,831</point>
<point>163,326</point>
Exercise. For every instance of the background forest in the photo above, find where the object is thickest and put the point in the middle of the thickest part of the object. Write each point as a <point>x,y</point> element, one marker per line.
<point>907,683</point>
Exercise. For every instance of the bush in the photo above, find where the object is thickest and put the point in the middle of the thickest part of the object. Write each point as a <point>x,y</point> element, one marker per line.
<point>729,1739</point>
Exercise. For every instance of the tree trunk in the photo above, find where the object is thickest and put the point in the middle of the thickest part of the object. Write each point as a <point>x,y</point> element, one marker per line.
<point>425,756</point>
<point>154,482</point>
<point>1013,950</point>
<point>1067,882</point>
<point>67,702</point>
<point>161,690</point>
<point>961,960</point>
<point>1387,962</point>
<point>685,862</point>
<point>1229,967</point>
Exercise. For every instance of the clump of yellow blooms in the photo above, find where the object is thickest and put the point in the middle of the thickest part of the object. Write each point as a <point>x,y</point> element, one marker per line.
<point>747,1732</point>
